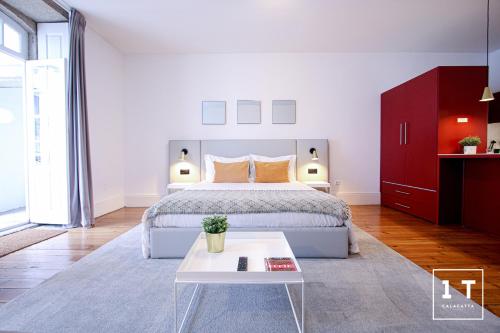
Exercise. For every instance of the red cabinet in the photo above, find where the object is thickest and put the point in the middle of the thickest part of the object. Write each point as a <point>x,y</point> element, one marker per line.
<point>392,148</point>
<point>421,131</point>
<point>419,121</point>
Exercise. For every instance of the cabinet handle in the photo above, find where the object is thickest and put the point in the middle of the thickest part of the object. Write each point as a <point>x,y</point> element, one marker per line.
<point>401,205</point>
<point>397,191</point>
<point>406,139</point>
<point>400,134</point>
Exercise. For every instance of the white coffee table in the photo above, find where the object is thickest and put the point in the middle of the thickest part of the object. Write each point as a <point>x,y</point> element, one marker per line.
<point>201,267</point>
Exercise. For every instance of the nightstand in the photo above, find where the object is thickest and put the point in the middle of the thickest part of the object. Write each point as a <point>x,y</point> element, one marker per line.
<point>174,187</point>
<point>319,185</point>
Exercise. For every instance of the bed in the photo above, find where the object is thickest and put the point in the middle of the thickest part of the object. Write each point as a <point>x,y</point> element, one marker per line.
<point>316,224</point>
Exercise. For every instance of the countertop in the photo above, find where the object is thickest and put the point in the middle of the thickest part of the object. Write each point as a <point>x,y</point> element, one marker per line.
<point>469,156</point>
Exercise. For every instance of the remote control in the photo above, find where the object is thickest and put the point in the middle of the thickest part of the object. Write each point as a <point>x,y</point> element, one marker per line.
<point>242,264</point>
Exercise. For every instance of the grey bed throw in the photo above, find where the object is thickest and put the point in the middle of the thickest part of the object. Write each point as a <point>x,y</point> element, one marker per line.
<point>250,202</point>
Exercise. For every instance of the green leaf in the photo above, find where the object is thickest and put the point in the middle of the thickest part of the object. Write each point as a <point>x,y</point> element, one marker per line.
<point>215,224</point>
<point>470,141</point>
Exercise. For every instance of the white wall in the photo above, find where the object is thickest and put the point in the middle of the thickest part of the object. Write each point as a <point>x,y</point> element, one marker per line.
<point>105,68</point>
<point>12,172</point>
<point>495,71</point>
<point>338,97</point>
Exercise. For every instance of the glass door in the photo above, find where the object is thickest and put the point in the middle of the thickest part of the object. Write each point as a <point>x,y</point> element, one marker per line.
<point>47,141</point>
<point>13,211</point>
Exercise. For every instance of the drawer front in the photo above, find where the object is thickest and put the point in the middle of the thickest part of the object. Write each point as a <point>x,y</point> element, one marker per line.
<point>425,210</point>
<point>411,193</point>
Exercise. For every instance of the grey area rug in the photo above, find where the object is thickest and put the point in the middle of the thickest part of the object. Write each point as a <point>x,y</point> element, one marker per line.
<point>115,290</point>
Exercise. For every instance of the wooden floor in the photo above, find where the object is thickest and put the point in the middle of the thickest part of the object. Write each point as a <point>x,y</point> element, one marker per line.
<point>427,245</point>
<point>431,246</point>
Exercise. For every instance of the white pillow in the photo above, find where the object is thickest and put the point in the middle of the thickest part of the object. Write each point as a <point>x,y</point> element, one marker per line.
<point>291,165</point>
<point>210,168</point>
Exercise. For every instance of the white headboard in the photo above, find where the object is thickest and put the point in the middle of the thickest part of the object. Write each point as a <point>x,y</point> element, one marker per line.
<point>233,148</point>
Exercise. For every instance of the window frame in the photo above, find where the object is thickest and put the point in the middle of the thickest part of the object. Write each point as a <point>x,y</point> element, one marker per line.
<point>4,19</point>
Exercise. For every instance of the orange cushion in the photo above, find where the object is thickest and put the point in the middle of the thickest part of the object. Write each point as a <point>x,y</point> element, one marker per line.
<point>271,172</point>
<point>231,172</point>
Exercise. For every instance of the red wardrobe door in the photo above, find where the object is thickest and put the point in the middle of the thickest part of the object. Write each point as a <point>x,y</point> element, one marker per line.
<point>392,154</point>
<point>421,131</point>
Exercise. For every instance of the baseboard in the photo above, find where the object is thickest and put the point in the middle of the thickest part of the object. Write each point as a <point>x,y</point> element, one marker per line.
<point>108,205</point>
<point>141,200</point>
<point>360,198</point>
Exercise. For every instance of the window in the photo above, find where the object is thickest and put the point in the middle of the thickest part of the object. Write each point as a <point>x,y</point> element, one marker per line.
<point>11,38</point>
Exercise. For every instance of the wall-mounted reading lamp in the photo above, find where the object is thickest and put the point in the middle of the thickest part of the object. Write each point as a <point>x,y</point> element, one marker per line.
<point>184,152</point>
<point>314,154</point>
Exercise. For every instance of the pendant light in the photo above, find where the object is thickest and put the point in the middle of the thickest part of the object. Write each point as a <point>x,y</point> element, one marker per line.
<point>487,94</point>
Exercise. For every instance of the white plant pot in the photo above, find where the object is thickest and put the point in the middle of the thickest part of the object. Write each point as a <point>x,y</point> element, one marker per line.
<point>470,150</point>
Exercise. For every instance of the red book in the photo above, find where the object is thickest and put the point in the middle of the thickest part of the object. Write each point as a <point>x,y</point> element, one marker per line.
<point>280,264</point>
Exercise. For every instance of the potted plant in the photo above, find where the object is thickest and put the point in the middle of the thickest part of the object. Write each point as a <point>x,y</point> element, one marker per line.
<point>470,144</point>
<point>215,230</point>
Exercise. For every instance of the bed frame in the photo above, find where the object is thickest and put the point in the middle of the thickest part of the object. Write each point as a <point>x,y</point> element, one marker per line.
<point>318,242</point>
<point>314,242</point>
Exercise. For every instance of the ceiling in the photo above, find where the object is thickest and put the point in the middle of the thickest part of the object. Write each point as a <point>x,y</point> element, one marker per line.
<point>37,10</point>
<point>209,26</point>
